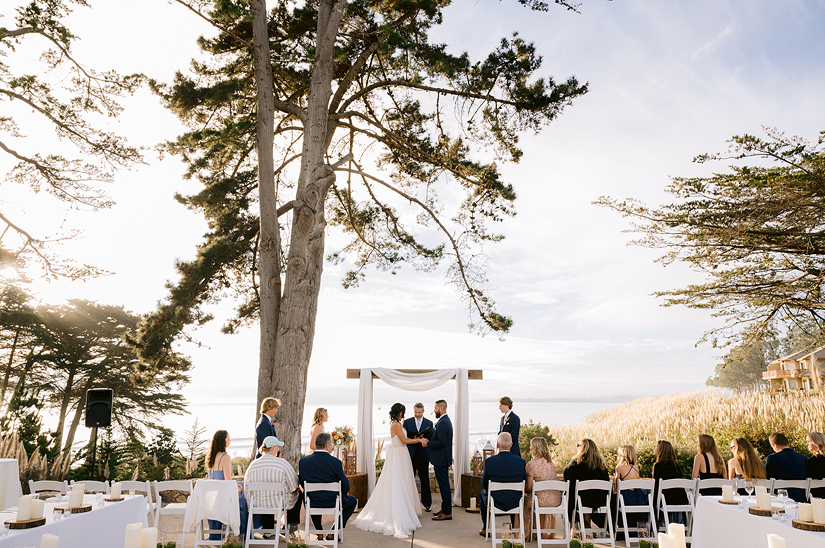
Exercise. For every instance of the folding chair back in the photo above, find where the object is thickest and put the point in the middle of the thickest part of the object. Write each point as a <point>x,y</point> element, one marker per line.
<point>173,508</point>
<point>714,483</point>
<point>690,489</point>
<point>492,511</point>
<point>251,488</point>
<point>49,486</point>
<point>142,487</point>
<point>625,509</point>
<point>815,484</point>
<point>596,485</point>
<point>90,486</point>
<point>802,487</point>
<point>557,511</point>
<point>336,512</point>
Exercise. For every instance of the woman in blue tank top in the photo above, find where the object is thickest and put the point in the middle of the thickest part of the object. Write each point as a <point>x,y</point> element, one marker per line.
<point>219,467</point>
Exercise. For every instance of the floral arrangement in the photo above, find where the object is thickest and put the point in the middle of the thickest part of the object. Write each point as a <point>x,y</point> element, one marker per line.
<point>342,436</point>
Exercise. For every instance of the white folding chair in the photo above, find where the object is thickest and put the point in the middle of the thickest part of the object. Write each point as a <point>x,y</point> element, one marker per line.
<point>607,532</point>
<point>625,509</point>
<point>814,484</point>
<point>336,512</point>
<point>804,485</point>
<point>207,495</point>
<point>36,487</point>
<point>90,486</point>
<point>690,488</point>
<point>251,488</point>
<point>714,483</point>
<point>173,508</point>
<point>493,512</point>
<point>557,511</point>
<point>142,487</point>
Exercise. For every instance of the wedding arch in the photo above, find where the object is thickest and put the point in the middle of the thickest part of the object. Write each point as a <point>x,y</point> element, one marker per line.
<point>417,381</point>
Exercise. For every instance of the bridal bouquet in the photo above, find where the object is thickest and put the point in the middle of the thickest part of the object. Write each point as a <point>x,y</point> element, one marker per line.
<point>342,436</point>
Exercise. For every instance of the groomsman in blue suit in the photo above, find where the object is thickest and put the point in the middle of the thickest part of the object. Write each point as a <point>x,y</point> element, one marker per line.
<point>266,424</point>
<point>502,468</point>
<point>419,454</point>
<point>441,457</point>
<point>510,422</point>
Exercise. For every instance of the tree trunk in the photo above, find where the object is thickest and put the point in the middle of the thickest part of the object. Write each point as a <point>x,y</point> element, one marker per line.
<point>67,445</point>
<point>64,407</point>
<point>299,303</point>
<point>9,366</point>
<point>270,247</point>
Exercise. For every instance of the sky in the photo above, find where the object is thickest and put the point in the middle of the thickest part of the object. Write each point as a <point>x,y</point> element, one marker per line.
<point>668,80</point>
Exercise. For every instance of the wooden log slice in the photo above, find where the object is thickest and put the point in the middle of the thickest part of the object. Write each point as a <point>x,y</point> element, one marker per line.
<point>731,502</point>
<point>765,513</point>
<point>808,526</point>
<point>115,500</point>
<point>26,523</point>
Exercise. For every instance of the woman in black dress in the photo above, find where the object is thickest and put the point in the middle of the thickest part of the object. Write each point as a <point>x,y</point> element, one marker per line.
<point>708,464</point>
<point>816,464</point>
<point>588,464</point>
<point>666,467</point>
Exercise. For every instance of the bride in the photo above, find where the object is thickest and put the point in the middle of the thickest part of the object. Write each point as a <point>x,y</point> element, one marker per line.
<point>393,507</point>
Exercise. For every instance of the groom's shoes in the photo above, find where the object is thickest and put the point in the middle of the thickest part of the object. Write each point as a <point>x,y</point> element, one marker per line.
<point>428,508</point>
<point>437,513</point>
<point>442,517</point>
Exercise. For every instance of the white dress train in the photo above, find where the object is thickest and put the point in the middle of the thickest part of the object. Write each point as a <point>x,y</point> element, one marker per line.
<point>394,506</point>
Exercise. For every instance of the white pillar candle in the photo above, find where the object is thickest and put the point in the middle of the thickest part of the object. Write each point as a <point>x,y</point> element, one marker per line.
<point>78,487</point>
<point>677,531</point>
<point>806,512</point>
<point>472,503</point>
<point>818,510</point>
<point>49,541</point>
<point>775,541</point>
<point>75,499</point>
<point>667,541</point>
<point>727,492</point>
<point>763,500</point>
<point>761,489</point>
<point>24,508</point>
<point>37,508</point>
<point>117,488</point>
<point>149,538</point>
<point>134,535</point>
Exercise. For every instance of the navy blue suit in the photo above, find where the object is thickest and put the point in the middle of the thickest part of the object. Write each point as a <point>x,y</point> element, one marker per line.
<point>788,465</point>
<point>441,457</point>
<point>420,457</point>
<point>264,428</point>
<point>321,467</point>
<point>512,426</point>
<point>502,468</point>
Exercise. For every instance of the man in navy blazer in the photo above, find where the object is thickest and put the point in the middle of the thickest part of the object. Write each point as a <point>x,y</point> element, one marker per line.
<point>510,422</point>
<point>441,457</point>
<point>322,467</point>
<point>419,454</point>
<point>786,464</point>
<point>266,424</point>
<point>502,468</point>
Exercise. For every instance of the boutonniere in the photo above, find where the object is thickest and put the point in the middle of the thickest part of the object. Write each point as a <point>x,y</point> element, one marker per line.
<point>506,420</point>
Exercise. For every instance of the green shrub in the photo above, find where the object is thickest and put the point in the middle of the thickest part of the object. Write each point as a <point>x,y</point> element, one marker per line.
<point>533,430</point>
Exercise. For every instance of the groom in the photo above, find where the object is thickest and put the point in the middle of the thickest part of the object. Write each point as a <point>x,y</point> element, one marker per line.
<point>441,457</point>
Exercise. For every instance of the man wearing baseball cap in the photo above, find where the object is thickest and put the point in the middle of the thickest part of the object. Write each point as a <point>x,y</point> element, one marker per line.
<point>271,468</point>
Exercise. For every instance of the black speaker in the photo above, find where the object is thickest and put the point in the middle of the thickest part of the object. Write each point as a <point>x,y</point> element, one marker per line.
<point>99,407</point>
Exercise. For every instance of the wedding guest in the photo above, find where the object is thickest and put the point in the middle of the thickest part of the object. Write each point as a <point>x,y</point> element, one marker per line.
<point>626,470</point>
<point>540,468</point>
<point>419,454</point>
<point>745,463</point>
<point>816,464</point>
<point>786,464</point>
<point>708,464</point>
<point>667,467</point>
<point>322,467</point>
<point>505,467</point>
<point>588,464</point>
<point>219,467</point>
<point>266,424</point>
<point>321,416</point>
<point>270,468</point>
<point>510,422</point>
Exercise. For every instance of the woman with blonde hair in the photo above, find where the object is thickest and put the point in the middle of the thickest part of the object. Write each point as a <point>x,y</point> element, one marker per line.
<point>745,462</point>
<point>708,463</point>
<point>816,464</point>
<point>321,416</point>
<point>540,468</point>
<point>588,464</point>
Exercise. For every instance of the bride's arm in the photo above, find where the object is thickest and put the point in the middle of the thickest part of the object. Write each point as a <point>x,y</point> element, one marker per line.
<point>398,430</point>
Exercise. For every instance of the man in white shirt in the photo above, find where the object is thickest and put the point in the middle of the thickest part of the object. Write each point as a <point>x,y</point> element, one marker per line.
<point>271,468</point>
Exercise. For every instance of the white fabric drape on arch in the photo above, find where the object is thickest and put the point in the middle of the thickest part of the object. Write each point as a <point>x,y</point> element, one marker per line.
<point>365,436</point>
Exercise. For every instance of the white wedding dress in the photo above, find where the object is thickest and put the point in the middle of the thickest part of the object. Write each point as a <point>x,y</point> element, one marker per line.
<point>393,507</point>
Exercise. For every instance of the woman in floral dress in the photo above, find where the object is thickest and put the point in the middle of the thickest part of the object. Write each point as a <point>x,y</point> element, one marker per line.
<point>540,468</point>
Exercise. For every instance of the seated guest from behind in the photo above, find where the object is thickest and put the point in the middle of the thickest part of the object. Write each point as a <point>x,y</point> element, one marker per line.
<point>708,464</point>
<point>667,467</point>
<point>270,468</point>
<point>816,464</point>
<point>588,464</point>
<point>322,467</point>
<point>626,470</point>
<point>540,468</point>
<point>786,464</point>
<point>745,463</point>
<point>505,467</point>
<point>219,467</point>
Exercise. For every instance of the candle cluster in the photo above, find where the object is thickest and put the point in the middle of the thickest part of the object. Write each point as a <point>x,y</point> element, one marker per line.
<point>117,489</point>
<point>138,537</point>
<point>674,538</point>
<point>817,511</point>
<point>49,541</point>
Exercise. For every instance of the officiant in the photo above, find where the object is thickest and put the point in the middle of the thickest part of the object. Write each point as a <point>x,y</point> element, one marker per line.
<point>418,426</point>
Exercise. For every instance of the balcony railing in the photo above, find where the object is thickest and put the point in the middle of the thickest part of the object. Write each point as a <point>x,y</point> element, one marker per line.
<point>782,374</point>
